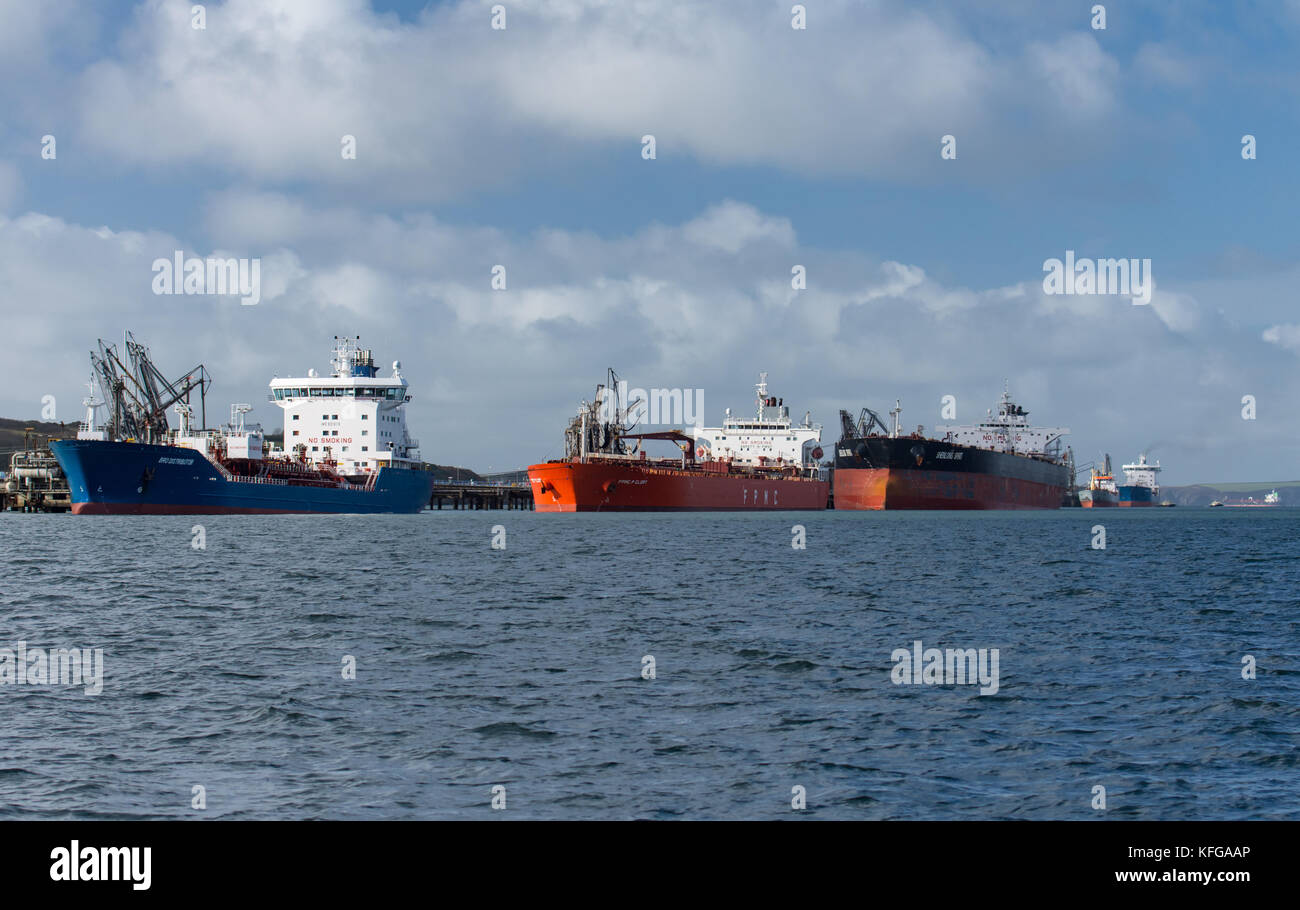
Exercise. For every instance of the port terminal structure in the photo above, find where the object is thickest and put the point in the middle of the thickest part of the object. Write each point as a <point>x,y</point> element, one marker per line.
<point>475,496</point>
<point>31,479</point>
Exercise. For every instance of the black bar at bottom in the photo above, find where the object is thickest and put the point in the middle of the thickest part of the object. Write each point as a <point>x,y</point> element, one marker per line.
<point>647,861</point>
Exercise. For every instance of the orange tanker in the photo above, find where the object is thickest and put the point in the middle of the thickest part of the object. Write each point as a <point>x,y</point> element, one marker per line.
<point>600,484</point>
<point>762,464</point>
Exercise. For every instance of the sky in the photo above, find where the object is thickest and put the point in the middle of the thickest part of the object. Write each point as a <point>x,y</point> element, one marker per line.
<point>774,147</point>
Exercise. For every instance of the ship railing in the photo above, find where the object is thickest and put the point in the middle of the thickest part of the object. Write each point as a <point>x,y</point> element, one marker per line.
<point>243,478</point>
<point>272,480</point>
<point>279,481</point>
<point>613,456</point>
<point>769,474</point>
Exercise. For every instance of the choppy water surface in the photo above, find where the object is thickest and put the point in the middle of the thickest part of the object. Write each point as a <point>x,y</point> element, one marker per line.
<point>522,667</point>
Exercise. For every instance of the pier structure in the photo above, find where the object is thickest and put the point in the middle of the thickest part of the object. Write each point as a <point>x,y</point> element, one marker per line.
<point>511,496</point>
<point>31,479</point>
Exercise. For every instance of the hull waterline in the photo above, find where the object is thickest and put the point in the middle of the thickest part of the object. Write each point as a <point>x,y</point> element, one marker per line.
<point>127,478</point>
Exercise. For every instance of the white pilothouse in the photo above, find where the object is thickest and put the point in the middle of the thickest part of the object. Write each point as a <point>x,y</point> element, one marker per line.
<point>1009,432</point>
<point>1142,473</point>
<point>770,439</point>
<point>355,417</point>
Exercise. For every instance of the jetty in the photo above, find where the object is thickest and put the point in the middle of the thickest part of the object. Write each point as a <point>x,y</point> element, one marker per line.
<point>472,495</point>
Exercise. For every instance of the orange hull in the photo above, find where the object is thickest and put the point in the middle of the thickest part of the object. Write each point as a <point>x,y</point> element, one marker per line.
<point>602,486</point>
<point>885,488</point>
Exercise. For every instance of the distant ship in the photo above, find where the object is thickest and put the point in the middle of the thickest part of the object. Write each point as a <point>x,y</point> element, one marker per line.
<point>1002,463</point>
<point>350,452</point>
<point>1101,492</point>
<point>1140,487</point>
<point>762,463</point>
<point>1250,502</point>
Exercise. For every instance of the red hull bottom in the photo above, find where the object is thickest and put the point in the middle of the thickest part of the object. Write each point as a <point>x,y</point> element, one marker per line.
<point>883,488</point>
<point>571,486</point>
<point>1093,504</point>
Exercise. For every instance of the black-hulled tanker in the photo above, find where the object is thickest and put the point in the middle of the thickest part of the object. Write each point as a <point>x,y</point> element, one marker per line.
<point>1003,463</point>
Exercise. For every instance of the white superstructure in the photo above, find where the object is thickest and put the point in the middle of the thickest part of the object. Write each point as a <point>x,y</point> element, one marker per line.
<point>1142,474</point>
<point>234,440</point>
<point>354,416</point>
<point>768,439</point>
<point>1009,431</point>
<point>90,428</point>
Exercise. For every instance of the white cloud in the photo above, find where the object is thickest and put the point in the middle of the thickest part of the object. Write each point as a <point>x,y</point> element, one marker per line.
<point>732,226</point>
<point>1080,75</point>
<point>1167,65</point>
<point>268,89</point>
<point>1180,312</point>
<point>1284,336</point>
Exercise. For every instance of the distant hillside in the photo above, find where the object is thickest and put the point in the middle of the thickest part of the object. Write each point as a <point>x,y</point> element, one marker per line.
<point>1202,494</point>
<point>450,473</point>
<point>11,433</point>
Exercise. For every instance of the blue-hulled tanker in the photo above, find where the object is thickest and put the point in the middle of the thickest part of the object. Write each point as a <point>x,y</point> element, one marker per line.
<point>346,448</point>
